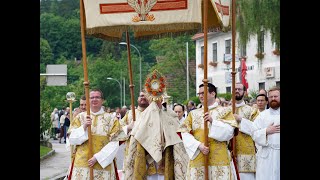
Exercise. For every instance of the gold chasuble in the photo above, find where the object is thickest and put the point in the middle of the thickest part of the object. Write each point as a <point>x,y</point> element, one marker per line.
<point>127,119</point>
<point>245,146</point>
<point>155,147</point>
<point>104,128</point>
<point>219,157</point>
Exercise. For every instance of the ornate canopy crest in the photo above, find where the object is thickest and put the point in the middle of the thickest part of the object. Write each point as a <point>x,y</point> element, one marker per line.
<point>155,85</point>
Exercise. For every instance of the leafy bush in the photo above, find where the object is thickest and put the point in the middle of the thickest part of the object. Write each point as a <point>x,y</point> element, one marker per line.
<point>253,93</point>
<point>226,96</point>
<point>45,121</point>
<point>194,99</point>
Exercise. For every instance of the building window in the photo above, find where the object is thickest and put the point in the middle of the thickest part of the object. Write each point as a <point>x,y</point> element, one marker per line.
<point>261,85</point>
<point>261,42</point>
<point>243,50</point>
<point>214,52</point>
<point>250,67</point>
<point>278,84</point>
<point>228,46</point>
<point>228,89</point>
<point>202,53</point>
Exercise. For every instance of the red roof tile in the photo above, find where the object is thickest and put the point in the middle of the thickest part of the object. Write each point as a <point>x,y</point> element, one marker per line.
<point>197,36</point>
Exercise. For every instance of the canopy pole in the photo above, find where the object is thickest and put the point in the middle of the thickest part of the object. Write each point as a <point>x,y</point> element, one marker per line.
<point>205,84</point>
<point>130,75</point>
<point>233,150</point>
<point>86,81</point>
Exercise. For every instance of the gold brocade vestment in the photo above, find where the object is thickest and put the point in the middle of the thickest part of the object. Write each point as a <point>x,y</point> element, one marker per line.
<point>126,120</point>
<point>104,128</point>
<point>219,157</point>
<point>154,146</point>
<point>245,146</point>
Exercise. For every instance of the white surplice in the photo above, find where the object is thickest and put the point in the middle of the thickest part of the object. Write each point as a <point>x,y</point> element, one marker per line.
<point>105,144</point>
<point>268,157</point>
<point>106,155</point>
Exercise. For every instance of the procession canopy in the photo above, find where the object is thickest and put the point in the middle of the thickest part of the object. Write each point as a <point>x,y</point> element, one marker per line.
<point>108,19</point>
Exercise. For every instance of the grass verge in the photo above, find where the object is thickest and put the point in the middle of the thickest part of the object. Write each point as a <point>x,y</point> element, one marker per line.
<point>44,150</point>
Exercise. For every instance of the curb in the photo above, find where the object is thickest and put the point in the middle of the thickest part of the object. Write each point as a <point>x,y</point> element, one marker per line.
<point>47,155</point>
<point>58,176</point>
<point>61,178</point>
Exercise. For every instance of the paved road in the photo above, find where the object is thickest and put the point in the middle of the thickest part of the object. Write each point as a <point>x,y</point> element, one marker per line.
<point>56,166</point>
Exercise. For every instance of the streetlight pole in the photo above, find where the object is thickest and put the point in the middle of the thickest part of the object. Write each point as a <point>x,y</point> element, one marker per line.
<point>187,70</point>
<point>124,91</point>
<point>124,43</point>
<point>71,97</point>
<point>120,89</point>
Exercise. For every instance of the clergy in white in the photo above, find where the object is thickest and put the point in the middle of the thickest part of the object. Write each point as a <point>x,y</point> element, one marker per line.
<point>266,133</point>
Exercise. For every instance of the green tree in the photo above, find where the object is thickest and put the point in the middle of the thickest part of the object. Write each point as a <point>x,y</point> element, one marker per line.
<point>99,70</point>
<point>144,48</point>
<point>110,48</point>
<point>253,16</point>
<point>64,36</point>
<point>171,54</point>
<point>46,56</point>
<point>45,111</point>
<point>51,28</point>
<point>45,6</point>
<point>67,8</point>
<point>54,7</point>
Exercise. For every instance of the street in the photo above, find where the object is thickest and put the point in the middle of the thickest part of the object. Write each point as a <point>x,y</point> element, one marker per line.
<point>56,166</point>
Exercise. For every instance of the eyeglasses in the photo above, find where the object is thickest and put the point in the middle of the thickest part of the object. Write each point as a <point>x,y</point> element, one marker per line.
<point>261,100</point>
<point>95,97</point>
<point>202,93</point>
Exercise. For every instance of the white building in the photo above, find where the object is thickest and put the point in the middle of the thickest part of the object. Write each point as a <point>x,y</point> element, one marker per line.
<point>264,73</point>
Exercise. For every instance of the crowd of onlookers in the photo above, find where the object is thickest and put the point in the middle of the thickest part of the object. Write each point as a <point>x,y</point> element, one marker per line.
<point>60,123</point>
<point>60,119</point>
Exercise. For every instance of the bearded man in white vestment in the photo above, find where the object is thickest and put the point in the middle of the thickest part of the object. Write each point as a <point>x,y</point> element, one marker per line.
<point>155,149</point>
<point>266,133</point>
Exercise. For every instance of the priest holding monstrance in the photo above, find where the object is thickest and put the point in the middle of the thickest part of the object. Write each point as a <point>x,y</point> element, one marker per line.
<point>155,149</point>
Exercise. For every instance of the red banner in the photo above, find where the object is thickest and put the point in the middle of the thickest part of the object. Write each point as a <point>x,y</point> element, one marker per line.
<point>244,73</point>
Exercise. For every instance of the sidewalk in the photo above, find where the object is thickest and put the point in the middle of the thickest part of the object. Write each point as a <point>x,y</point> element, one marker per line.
<point>56,166</point>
